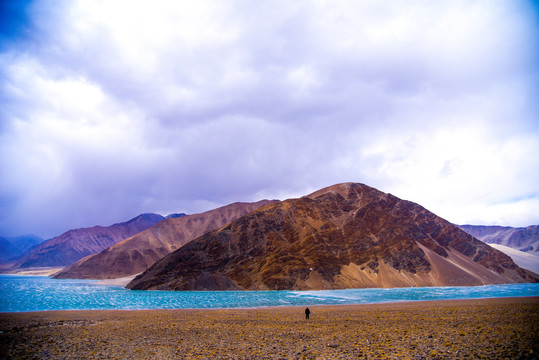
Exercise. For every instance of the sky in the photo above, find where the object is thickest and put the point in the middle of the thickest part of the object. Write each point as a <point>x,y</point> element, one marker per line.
<point>109,109</point>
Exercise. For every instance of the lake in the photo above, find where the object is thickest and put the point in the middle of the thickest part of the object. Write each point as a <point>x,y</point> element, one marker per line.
<point>39,293</point>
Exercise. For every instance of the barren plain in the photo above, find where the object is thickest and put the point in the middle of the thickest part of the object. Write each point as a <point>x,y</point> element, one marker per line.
<point>505,328</point>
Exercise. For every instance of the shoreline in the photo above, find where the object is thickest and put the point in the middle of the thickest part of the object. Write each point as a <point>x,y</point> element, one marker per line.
<point>457,329</point>
<point>44,271</point>
<point>48,272</point>
<point>284,307</point>
<point>122,281</point>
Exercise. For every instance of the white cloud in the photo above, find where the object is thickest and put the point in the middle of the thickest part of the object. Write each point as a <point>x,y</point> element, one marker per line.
<point>178,106</point>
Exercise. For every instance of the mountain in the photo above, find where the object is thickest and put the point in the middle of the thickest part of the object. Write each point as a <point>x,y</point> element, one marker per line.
<point>523,239</point>
<point>76,244</point>
<point>134,255</point>
<point>175,215</point>
<point>13,247</point>
<point>344,236</point>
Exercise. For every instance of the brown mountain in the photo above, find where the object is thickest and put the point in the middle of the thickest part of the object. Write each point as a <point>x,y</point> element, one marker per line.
<point>523,239</point>
<point>343,236</point>
<point>137,253</point>
<point>76,244</point>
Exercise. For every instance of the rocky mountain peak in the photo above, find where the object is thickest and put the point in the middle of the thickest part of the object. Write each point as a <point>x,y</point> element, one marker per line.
<point>346,235</point>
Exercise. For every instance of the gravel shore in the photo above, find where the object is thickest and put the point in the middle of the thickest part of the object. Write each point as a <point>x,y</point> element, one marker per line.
<point>462,329</point>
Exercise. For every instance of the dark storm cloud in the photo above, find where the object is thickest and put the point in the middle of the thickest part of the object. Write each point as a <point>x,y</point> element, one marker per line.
<point>114,108</point>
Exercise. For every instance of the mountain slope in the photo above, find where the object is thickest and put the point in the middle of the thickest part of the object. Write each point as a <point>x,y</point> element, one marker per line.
<point>134,255</point>
<point>523,239</point>
<point>526,260</point>
<point>344,236</point>
<point>76,244</point>
<point>12,248</point>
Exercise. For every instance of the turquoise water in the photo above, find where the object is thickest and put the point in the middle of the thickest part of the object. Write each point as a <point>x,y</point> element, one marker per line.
<point>38,293</point>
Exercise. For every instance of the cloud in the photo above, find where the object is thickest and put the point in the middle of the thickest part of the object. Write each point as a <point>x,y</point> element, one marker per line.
<point>113,108</point>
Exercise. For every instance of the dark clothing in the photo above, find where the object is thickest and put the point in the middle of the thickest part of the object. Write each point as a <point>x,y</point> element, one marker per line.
<point>307,313</point>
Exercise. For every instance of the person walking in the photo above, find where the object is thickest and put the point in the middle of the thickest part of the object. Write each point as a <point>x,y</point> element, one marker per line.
<point>307,313</point>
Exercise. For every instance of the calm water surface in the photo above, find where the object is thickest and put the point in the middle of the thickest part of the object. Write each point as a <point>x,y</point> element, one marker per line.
<point>38,293</point>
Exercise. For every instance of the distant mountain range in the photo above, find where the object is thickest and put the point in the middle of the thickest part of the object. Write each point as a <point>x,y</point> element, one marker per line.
<point>135,254</point>
<point>524,239</point>
<point>344,236</point>
<point>11,248</point>
<point>76,244</point>
<point>347,235</point>
<point>175,215</point>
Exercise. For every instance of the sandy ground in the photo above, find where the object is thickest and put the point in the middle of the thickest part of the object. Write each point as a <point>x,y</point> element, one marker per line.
<point>45,271</point>
<point>469,329</point>
<point>123,281</point>
<point>526,260</point>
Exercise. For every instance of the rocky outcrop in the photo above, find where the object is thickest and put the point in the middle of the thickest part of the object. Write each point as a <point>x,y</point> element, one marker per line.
<point>524,239</point>
<point>137,253</point>
<point>76,244</point>
<point>344,236</point>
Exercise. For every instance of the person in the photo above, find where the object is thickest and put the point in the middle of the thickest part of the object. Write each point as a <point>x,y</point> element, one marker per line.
<point>307,313</point>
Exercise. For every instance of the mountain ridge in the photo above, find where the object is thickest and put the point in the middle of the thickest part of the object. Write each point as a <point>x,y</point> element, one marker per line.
<point>138,252</point>
<point>520,238</point>
<point>75,244</point>
<point>13,247</point>
<point>345,235</point>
